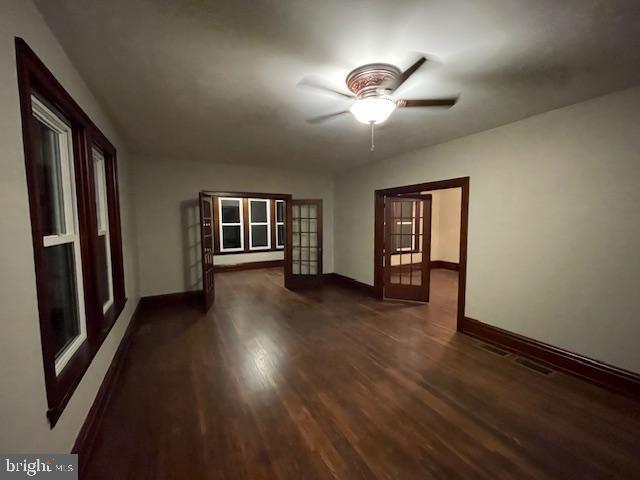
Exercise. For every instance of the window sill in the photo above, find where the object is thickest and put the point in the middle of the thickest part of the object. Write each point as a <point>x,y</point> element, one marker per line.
<point>73,373</point>
<point>244,252</point>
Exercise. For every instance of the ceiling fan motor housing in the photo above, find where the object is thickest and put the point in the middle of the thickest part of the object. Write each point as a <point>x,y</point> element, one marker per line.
<point>373,80</point>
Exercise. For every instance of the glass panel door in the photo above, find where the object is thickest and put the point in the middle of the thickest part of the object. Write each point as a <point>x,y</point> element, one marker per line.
<point>407,247</point>
<point>304,263</point>
<point>206,250</point>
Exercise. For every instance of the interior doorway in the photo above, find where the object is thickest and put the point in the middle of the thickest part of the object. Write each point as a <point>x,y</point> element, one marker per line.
<point>412,251</point>
<point>253,228</point>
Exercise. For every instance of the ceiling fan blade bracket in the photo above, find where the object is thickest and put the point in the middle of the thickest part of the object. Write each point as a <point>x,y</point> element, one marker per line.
<point>435,102</point>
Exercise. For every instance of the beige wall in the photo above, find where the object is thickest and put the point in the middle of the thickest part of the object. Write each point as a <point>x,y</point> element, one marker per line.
<point>23,423</point>
<point>167,213</point>
<point>553,223</point>
<point>234,259</point>
<point>445,224</point>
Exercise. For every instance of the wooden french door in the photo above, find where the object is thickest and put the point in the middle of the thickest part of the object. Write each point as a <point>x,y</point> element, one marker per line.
<point>303,258</point>
<point>407,247</point>
<point>206,246</point>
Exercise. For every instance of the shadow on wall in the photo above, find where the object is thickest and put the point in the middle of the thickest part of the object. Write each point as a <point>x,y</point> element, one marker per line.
<point>191,254</point>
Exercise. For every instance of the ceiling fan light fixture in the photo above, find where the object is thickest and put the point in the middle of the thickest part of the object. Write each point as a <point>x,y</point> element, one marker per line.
<point>372,109</point>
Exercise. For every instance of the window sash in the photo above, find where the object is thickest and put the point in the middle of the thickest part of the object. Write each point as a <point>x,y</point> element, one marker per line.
<point>280,241</point>
<point>70,224</point>
<point>102,218</point>
<point>231,224</point>
<point>267,224</point>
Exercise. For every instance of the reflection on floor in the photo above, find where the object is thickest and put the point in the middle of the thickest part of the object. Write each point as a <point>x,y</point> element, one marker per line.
<point>443,302</point>
<point>329,383</point>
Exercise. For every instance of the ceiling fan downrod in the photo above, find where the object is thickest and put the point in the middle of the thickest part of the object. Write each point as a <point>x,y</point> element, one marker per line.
<point>373,127</point>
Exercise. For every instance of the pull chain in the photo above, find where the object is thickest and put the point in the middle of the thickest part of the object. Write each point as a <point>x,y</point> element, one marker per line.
<point>373,146</point>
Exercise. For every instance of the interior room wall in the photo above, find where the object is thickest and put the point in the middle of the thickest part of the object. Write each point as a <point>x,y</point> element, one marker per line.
<point>234,259</point>
<point>553,230</point>
<point>445,224</point>
<point>23,403</point>
<point>167,215</point>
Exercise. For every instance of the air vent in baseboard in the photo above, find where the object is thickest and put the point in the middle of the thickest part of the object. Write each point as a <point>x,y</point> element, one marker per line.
<point>541,369</point>
<point>492,349</point>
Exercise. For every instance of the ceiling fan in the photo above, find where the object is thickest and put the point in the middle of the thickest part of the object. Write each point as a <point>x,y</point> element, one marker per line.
<point>374,87</point>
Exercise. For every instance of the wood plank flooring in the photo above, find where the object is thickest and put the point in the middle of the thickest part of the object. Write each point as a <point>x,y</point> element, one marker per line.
<point>329,384</point>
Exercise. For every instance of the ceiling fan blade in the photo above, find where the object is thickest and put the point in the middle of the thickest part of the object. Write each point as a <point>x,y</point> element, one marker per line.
<point>324,118</point>
<point>439,102</point>
<point>317,84</point>
<point>410,71</point>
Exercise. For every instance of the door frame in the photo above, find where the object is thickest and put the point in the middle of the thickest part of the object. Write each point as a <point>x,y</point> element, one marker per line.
<point>378,265</point>
<point>213,194</point>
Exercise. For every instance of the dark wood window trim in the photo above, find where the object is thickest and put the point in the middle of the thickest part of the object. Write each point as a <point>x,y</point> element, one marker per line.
<point>35,79</point>
<point>245,196</point>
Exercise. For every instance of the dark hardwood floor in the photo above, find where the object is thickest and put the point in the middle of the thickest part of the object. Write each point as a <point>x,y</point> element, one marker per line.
<point>274,384</point>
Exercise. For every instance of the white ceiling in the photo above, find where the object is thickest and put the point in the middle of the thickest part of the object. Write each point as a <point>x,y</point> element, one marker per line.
<point>216,80</point>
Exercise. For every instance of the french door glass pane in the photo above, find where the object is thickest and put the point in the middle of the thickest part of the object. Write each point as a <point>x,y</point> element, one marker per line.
<point>63,300</point>
<point>51,199</point>
<point>406,209</point>
<point>259,237</point>
<point>406,228</point>
<point>230,211</point>
<point>231,236</point>
<point>103,270</point>
<point>258,212</point>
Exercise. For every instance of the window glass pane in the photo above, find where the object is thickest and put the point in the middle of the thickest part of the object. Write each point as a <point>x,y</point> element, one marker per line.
<point>406,209</point>
<point>105,288</point>
<point>259,236</point>
<point>100,187</point>
<point>103,270</point>
<point>280,211</point>
<point>230,211</point>
<point>258,211</point>
<point>231,236</point>
<point>405,242</point>
<point>280,234</point>
<point>63,301</point>
<point>406,229</point>
<point>47,147</point>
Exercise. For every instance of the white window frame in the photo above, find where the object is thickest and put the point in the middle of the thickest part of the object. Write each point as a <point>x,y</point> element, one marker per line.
<point>267,203</point>
<point>102,216</point>
<point>71,225</point>
<point>277,223</point>
<point>230,224</point>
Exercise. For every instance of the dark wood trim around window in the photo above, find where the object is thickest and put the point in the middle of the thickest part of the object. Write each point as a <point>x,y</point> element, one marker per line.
<point>35,78</point>
<point>245,196</point>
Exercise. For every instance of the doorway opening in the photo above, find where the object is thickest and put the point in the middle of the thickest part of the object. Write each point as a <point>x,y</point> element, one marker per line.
<point>421,243</point>
<point>242,231</point>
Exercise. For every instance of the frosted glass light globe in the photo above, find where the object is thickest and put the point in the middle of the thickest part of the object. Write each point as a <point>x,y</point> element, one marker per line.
<point>373,109</point>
